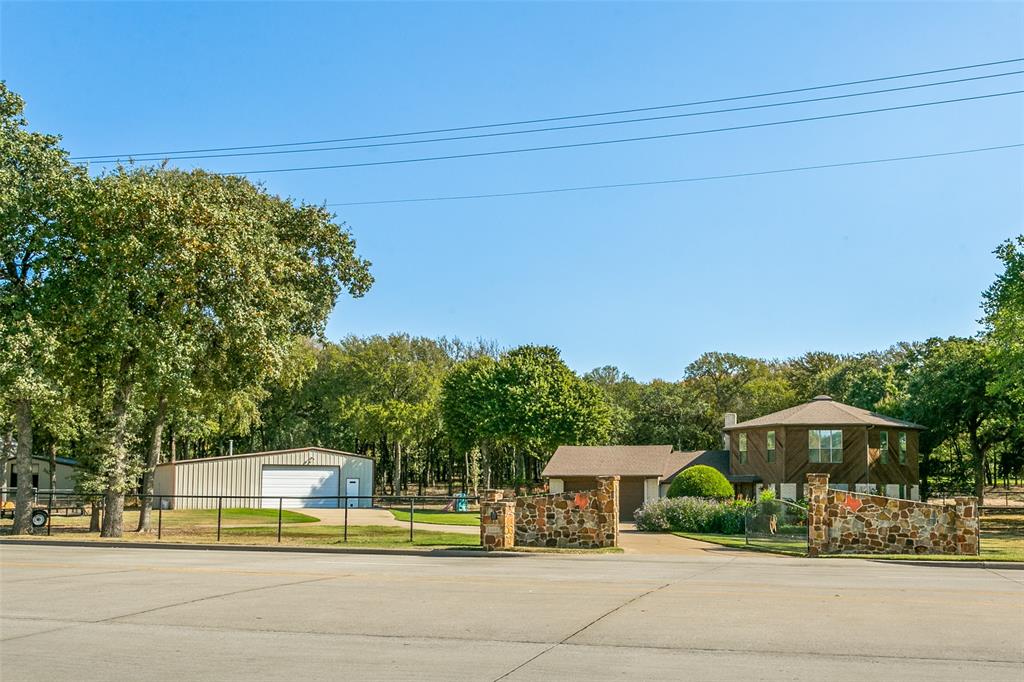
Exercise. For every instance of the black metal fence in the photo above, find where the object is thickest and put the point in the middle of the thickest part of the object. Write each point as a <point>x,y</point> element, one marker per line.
<point>74,513</point>
<point>993,498</point>
<point>778,525</point>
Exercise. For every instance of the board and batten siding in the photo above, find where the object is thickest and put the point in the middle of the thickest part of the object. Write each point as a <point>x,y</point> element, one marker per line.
<point>242,476</point>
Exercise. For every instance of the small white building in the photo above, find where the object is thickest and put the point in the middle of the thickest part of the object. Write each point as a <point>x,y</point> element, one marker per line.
<point>63,471</point>
<point>267,479</point>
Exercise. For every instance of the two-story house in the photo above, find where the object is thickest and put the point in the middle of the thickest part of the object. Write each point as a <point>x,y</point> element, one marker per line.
<point>860,450</point>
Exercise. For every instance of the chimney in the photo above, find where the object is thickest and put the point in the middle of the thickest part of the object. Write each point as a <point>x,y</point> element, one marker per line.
<point>730,420</point>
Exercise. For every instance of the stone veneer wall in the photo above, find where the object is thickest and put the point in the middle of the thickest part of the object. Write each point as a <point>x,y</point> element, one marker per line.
<point>586,520</point>
<point>857,523</point>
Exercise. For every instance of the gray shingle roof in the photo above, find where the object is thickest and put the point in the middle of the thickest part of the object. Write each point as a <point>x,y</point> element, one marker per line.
<point>608,460</point>
<point>823,411</point>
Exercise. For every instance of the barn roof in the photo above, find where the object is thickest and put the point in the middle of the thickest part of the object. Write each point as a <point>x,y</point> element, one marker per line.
<point>264,454</point>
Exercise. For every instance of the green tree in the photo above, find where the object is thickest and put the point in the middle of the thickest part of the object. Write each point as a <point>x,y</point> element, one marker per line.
<point>186,281</point>
<point>389,388</point>
<point>37,187</point>
<point>468,405</point>
<point>949,394</point>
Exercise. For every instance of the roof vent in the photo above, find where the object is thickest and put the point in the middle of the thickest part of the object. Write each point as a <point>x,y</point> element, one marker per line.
<point>823,397</point>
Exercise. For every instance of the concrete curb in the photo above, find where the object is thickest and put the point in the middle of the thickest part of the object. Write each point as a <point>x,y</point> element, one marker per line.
<point>273,548</point>
<point>1011,565</point>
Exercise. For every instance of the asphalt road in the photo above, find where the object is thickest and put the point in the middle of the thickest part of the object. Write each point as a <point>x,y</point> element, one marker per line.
<point>69,613</point>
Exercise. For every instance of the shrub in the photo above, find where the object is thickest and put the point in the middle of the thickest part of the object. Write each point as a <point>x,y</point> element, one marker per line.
<point>692,515</point>
<point>701,481</point>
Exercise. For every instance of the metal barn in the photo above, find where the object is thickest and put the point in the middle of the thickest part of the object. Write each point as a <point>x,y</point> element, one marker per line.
<point>279,477</point>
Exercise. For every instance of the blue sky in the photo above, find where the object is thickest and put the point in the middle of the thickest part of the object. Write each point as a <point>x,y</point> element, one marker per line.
<point>646,278</point>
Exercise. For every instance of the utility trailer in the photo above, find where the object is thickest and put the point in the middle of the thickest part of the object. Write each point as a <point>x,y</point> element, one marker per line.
<point>44,503</point>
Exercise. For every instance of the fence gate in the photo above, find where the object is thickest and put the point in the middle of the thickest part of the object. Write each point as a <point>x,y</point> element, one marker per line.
<point>778,525</point>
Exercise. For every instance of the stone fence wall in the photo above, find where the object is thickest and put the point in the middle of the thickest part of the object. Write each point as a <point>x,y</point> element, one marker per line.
<point>841,522</point>
<point>585,520</point>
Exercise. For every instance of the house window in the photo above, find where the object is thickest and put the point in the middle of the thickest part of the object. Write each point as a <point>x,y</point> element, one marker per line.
<point>825,446</point>
<point>903,448</point>
<point>771,446</point>
<point>883,446</point>
<point>743,448</point>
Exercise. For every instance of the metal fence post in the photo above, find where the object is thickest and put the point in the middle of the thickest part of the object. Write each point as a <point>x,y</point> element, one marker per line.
<point>280,506</point>
<point>159,517</point>
<point>49,513</point>
<point>220,504</point>
<point>412,511</point>
<point>346,518</point>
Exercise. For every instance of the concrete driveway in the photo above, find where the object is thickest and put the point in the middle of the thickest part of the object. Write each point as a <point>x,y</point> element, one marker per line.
<point>380,517</point>
<point>102,614</point>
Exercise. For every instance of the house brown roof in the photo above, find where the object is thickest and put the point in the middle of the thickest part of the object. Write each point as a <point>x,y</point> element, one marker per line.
<point>608,460</point>
<point>823,411</point>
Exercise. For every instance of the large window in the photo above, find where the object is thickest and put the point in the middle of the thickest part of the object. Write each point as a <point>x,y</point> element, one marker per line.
<point>771,446</point>
<point>825,446</point>
<point>903,447</point>
<point>883,446</point>
<point>743,448</point>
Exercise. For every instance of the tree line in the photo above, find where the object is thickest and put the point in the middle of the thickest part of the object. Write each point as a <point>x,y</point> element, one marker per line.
<point>152,314</point>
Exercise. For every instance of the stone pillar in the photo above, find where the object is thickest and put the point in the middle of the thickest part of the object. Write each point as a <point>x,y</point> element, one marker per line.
<point>490,495</point>
<point>817,516</point>
<point>608,516</point>
<point>497,523</point>
<point>968,521</point>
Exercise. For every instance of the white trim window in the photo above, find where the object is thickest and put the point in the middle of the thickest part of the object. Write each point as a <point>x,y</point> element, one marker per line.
<point>903,447</point>
<point>771,446</point>
<point>883,446</point>
<point>825,446</point>
<point>742,449</point>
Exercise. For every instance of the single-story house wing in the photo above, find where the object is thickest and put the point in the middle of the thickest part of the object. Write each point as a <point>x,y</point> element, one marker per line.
<point>645,471</point>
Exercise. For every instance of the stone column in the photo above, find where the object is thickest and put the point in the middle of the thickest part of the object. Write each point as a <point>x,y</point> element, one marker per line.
<point>497,522</point>
<point>608,517</point>
<point>968,525</point>
<point>491,495</point>
<point>817,516</point>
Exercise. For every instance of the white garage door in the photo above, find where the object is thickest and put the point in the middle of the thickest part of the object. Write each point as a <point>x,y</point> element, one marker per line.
<point>300,481</point>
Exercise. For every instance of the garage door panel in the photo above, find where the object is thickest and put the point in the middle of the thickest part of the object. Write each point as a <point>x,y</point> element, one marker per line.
<point>631,497</point>
<point>294,482</point>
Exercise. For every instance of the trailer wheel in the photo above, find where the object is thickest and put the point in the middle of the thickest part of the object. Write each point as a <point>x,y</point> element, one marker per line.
<point>39,518</point>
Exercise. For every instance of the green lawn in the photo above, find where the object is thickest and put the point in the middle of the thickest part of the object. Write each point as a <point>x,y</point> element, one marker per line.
<point>438,516</point>
<point>196,517</point>
<point>375,536</point>
<point>185,518</point>
<point>1002,539</point>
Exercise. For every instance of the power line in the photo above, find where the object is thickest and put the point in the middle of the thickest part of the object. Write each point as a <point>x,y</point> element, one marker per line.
<point>554,118</point>
<point>663,136</point>
<point>648,183</point>
<point>577,125</point>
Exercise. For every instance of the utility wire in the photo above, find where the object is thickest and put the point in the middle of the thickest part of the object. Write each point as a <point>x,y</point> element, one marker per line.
<point>577,125</point>
<point>552,118</point>
<point>649,183</point>
<point>621,140</point>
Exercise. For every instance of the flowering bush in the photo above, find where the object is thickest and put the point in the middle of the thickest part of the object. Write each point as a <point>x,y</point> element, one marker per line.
<point>692,515</point>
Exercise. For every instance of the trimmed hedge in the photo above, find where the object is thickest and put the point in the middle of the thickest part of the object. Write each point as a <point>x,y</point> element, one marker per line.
<point>701,481</point>
<point>692,515</point>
